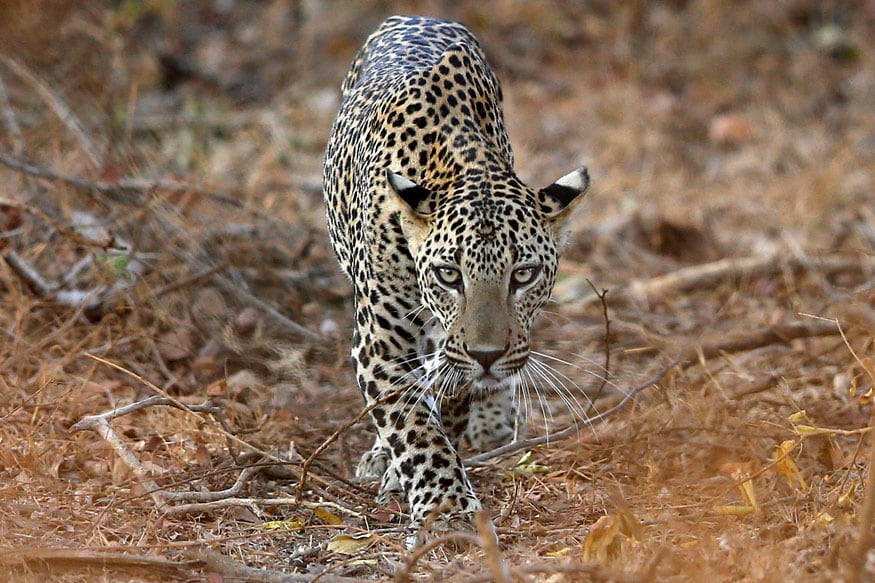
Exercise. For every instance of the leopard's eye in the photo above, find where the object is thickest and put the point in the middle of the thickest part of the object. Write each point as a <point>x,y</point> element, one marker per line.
<point>524,275</point>
<point>449,277</point>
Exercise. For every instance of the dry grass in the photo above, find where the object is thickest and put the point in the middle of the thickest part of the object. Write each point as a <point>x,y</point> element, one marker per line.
<point>193,136</point>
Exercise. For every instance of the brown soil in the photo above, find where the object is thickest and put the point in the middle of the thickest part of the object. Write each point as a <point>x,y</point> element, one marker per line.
<point>732,221</point>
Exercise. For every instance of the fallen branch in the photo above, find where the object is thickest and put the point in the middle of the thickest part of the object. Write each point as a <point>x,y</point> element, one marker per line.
<point>100,425</point>
<point>56,104</point>
<point>707,275</point>
<point>67,232</point>
<point>777,334</point>
<point>64,560</point>
<point>203,507</point>
<point>10,121</point>
<point>247,298</point>
<point>114,188</point>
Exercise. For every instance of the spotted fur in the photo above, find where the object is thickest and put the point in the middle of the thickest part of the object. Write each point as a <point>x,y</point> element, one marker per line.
<point>451,256</point>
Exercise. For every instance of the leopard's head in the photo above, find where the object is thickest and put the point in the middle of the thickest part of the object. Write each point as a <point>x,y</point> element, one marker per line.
<point>486,255</point>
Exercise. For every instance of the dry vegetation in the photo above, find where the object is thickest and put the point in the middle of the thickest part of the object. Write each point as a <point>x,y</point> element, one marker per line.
<point>161,224</point>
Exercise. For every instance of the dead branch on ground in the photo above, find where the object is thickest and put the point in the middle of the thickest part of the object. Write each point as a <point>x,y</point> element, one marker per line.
<point>58,107</point>
<point>116,188</point>
<point>710,274</point>
<point>129,185</point>
<point>212,506</point>
<point>60,560</point>
<point>100,424</point>
<point>10,121</point>
<point>777,334</point>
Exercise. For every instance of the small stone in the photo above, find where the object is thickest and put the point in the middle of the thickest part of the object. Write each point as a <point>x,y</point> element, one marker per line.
<point>731,129</point>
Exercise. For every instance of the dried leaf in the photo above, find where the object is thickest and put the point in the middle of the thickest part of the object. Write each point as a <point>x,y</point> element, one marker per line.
<point>846,499</point>
<point>823,519</point>
<point>560,553</point>
<point>603,541</point>
<point>787,466</point>
<point>175,344</point>
<point>798,416</point>
<point>733,510</point>
<point>202,455</point>
<point>630,525</point>
<point>327,517</point>
<point>209,303</point>
<point>527,466</point>
<point>293,523</point>
<point>747,491</point>
<point>731,129</point>
<point>350,544</point>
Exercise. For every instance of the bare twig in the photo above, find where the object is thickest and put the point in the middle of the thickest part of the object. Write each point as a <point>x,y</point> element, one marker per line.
<point>67,232</point>
<point>201,507</point>
<point>10,121</point>
<point>491,553</point>
<point>57,105</point>
<point>91,421</point>
<point>30,276</point>
<point>403,574</point>
<point>333,437</point>
<point>100,424</point>
<point>602,295</point>
<point>247,298</point>
<point>124,185</point>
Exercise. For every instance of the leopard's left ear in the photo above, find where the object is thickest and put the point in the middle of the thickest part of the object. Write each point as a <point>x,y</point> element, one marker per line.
<point>558,199</point>
<point>404,197</point>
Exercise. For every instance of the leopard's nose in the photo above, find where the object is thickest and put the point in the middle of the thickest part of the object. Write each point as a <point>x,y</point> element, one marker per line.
<point>486,358</point>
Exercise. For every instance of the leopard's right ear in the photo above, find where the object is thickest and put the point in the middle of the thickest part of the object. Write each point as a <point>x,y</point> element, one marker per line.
<point>405,197</point>
<point>410,192</point>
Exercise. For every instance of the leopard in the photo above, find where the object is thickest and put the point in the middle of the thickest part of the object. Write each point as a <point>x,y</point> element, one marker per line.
<point>450,254</point>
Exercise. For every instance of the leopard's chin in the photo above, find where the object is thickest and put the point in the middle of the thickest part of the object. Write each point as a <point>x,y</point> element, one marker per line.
<point>491,381</point>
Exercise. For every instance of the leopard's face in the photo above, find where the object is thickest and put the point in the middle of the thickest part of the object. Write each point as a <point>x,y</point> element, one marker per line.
<point>486,282</point>
<point>485,267</point>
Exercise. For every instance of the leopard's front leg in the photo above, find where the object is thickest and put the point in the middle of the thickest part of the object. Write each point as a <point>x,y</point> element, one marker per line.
<point>420,462</point>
